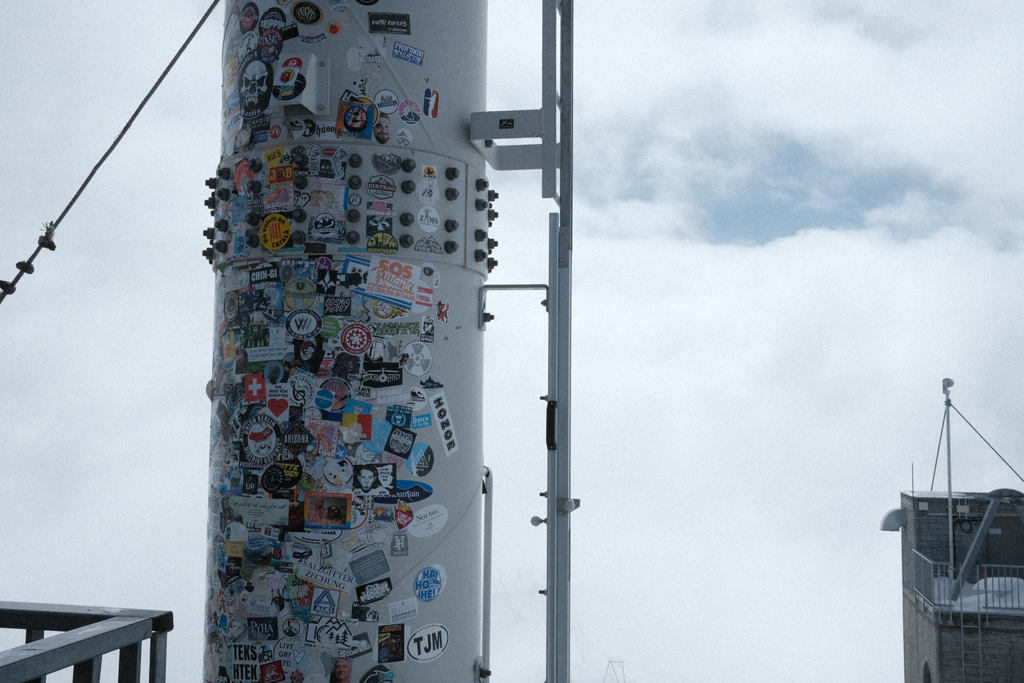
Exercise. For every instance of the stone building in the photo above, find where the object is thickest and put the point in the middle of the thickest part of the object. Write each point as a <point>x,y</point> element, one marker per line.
<point>964,625</point>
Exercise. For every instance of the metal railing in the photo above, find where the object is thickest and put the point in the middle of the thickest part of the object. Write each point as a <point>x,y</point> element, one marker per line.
<point>990,588</point>
<point>86,634</point>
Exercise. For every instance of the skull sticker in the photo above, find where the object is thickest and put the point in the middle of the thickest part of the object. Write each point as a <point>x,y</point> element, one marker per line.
<point>254,89</point>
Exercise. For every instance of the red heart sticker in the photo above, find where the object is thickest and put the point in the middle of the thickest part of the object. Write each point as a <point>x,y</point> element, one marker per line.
<point>277,406</point>
<point>403,515</point>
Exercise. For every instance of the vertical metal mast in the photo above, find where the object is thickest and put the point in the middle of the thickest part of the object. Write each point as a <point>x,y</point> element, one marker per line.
<point>946,384</point>
<point>552,123</point>
<point>560,501</point>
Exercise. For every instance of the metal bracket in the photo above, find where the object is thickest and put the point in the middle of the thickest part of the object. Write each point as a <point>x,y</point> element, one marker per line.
<point>482,300</point>
<point>519,124</point>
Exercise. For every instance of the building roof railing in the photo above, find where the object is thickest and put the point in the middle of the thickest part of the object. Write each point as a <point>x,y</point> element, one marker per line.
<point>87,633</point>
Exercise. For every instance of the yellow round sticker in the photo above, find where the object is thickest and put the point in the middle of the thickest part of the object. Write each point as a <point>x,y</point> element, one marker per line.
<point>275,231</point>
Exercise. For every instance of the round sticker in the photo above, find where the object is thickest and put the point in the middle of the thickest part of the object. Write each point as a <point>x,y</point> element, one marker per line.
<point>302,390</point>
<point>420,359</point>
<point>307,13</point>
<point>427,192</point>
<point>324,399</point>
<point>303,323</point>
<point>403,137</point>
<point>340,389</point>
<point>427,643</point>
<point>261,439</point>
<point>356,339</point>
<point>428,219</point>
<point>275,232</point>
<point>421,461</point>
<point>386,101</point>
<point>230,306</point>
<point>330,327</point>
<point>299,292</point>
<point>430,583</point>
<point>410,112</point>
<point>428,521</point>
<point>338,473</point>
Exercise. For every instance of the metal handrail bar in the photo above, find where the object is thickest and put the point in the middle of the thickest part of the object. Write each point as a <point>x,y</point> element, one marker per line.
<point>88,634</point>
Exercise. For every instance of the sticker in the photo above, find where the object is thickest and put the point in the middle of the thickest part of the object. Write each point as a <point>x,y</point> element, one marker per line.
<point>338,473</point>
<point>255,389</point>
<point>272,672</point>
<point>335,635</point>
<point>364,613</point>
<point>379,673</point>
<point>328,510</point>
<point>391,643</point>
<point>382,243</point>
<point>398,24</point>
<point>259,510</point>
<point>408,53</point>
<point>373,591</point>
<point>430,583</point>
<point>262,628</point>
<point>368,567</point>
<point>330,328</point>
<point>299,292</point>
<point>325,602</point>
<point>403,515</point>
<point>275,232</point>
<point>403,138</point>
<point>304,323</point>
<point>307,13</point>
<point>355,119</point>
<point>439,406</point>
<point>388,162</point>
<point>356,339</point>
<point>420,359</point>
<point>280,174</point>
<point>303,390</point>
<point>403,610</point>
<point>254,89</point>
<point>421,460</point>
<point>428,193</point>
<point>429,219</point>
<point>400,442</point>
<point>261,437</point>
<point>409,111</point>
<point>386,101</point>
<point>408,492</point>
<point>428,642</point>
<point>381,187</point>
<point>375,480</point>
<point>431,100</point>
<point>399,548</point>
<point>428,521</point>
<point>392,281</point>
<point>248,17</point>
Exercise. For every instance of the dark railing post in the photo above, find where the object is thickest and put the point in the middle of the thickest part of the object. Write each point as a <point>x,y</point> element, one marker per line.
<point>158,658</point>
<point>129,664</point>
<point>87,671</point>
<point>31,636</point>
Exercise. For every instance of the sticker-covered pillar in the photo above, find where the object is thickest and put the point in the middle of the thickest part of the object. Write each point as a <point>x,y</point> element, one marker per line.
<point>349,245</point>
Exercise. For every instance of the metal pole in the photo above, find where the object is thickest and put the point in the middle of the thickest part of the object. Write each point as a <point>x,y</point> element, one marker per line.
<point>488,489</point>
<point>560,501</point>
<point>946,384</point>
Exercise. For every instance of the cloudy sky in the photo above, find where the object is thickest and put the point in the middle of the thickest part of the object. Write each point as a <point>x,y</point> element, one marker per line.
<point>793,219</point>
